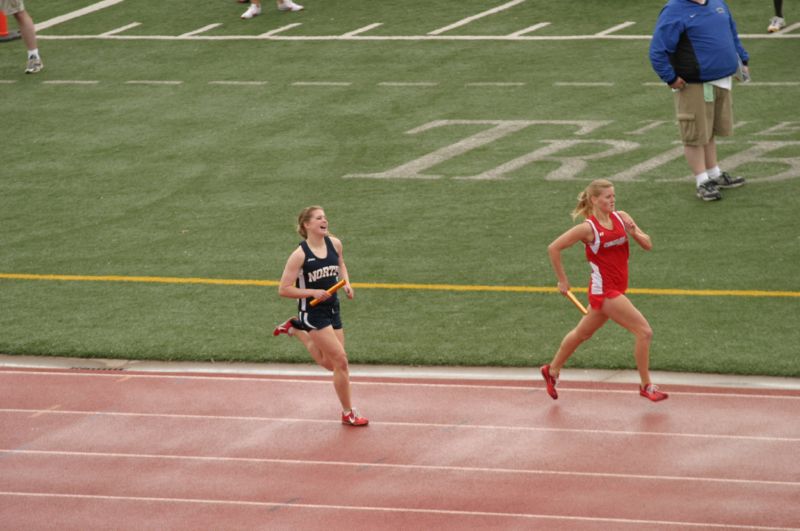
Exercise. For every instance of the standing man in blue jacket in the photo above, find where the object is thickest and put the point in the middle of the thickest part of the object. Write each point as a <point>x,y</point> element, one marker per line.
<point>696,51</point>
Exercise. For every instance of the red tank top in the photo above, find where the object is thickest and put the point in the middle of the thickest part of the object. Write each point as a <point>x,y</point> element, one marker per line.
<point>608,254</point>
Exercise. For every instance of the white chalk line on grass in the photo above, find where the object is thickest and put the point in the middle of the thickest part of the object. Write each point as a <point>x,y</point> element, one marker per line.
<point>273,35</point>
<point>420,84</point>
<point>399,510</point>
<point>399,424</point>
<point>472,18</point>
<point>75,14</point>
<point>402,466</point>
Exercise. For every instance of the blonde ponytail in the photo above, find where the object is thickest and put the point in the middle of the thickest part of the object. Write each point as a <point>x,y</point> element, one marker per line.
<point>585,207</point>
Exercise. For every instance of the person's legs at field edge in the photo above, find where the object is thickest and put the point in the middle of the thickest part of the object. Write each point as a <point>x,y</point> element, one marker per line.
<point>283,5</point>
<point>777,22</point>
<point>28,31</point>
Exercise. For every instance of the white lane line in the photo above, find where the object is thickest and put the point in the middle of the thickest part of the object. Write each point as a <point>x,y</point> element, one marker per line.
<point>75,14</point>
<point>494,84</point>
<point>152,82</point>
<point>464,22</point>
<point>648,127</point>
<point>321,84</point>
<point>583,84</point>
<point>324,380</point>
<point>69,82</point>
<point>529,29</point>
<point>769,84</point>
<point>414,425</point>
<point>407,84</point>
<point>412,38</point>
<point>280,30</point>
<point>200,30</point>
<point>787,29</point>
<point>615,29</point>
<point>401,466</point>
<point>362,30</point>
<point>238,83</point>
<point>121,29</point>
<point>400,510</point>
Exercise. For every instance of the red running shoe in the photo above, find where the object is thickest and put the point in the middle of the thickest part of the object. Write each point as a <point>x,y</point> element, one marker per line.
<point>550,381</point>
<point>284,327</point>
<point>352,419</point>
<point>651,391</point>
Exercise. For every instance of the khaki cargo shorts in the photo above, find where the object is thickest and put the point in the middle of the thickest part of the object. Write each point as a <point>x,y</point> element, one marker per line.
<point>9,7</point>
<point>700,120</point>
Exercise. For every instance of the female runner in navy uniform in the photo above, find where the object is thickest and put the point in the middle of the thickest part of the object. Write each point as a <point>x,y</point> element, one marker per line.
<point>316,265</point>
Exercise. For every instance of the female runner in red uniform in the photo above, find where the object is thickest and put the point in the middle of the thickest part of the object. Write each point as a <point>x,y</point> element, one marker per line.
<point>605,234</point>
<point>314,266</point>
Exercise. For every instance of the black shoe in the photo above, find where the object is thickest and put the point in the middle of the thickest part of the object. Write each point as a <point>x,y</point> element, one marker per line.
<point>726,181</point>
<point>708,191</point>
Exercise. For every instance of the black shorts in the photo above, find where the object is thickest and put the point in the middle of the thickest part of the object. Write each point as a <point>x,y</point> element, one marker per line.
<point>320,317</point>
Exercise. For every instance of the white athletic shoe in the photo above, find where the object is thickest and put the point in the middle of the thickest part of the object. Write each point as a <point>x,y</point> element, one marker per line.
<point>252,11</point>
<point>776,24</point>
<point>288,5</point>
<point>34,65</point>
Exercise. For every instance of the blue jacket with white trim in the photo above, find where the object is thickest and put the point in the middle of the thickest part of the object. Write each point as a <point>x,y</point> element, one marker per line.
<point>696,42</point>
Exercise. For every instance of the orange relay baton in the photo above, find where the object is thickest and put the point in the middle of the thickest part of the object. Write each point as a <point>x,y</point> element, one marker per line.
<point>576,302</point>
<point>333,289</point>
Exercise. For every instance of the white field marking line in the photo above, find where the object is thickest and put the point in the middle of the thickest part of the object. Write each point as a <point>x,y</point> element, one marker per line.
<point>529,29</point>
<point>318,38</point>
<point>408,84</point>
<point>69,82</point>
<point>495,84</point>
<point>42,412</point>
<point>464,22</point>
<point>321,84</point>
<point>75,14</point>
<point>200,30</point>
<point>323,380</point>
<point>362,30</point>
<point>401,510</point>
<point>121,29</point>
<point>583,84</point>
<point>7,81</point>
<point>152,82</point>
<point>614,29</point>
<point>787,29</point>
<point>401,466</point>
<point>238,83</point>
<point>769,84</point>
<point>280,30</point>
<point>415,425</point>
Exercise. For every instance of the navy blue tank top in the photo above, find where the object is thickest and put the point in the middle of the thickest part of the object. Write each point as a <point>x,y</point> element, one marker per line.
<point>318,273</point>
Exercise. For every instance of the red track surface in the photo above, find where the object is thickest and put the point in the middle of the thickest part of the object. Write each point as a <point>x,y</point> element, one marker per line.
<point>123,450</point>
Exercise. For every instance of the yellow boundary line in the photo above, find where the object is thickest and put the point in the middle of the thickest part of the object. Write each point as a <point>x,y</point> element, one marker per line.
<point>375,285</point>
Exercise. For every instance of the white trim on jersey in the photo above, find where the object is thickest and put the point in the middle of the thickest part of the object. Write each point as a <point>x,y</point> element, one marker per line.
<point>595,245</point>
<point>301,283</point>
<point>597,280</point>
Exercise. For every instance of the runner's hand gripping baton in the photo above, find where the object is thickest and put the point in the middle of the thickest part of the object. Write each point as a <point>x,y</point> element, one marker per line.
<point>333,289</point>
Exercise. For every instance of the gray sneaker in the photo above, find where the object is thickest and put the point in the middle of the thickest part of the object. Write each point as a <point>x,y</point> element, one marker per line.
<point>726,181</point>
<point>34,65</point>
<point>708,191</point>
